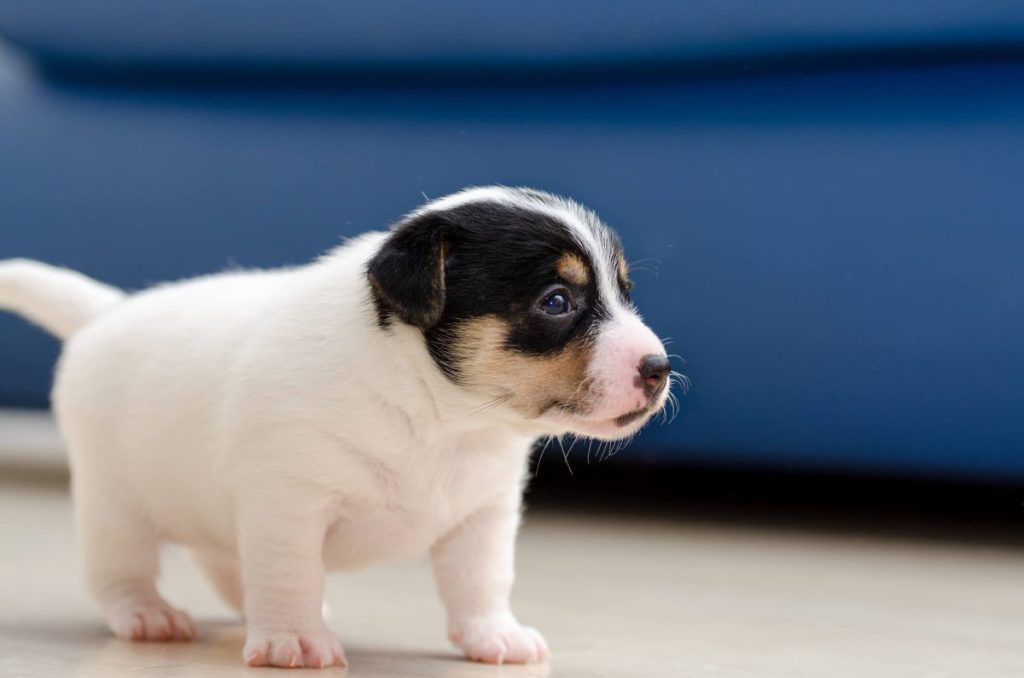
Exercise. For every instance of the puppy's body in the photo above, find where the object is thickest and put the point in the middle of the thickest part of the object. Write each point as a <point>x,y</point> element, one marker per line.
<point>332,415</point>
<point>232,390</point>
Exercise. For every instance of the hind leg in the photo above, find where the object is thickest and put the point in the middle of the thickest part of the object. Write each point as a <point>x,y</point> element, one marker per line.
<point>121,554</point>
<point>224,574</point>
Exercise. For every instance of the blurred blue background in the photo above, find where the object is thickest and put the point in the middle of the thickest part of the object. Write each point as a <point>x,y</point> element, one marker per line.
<point>823,200</point>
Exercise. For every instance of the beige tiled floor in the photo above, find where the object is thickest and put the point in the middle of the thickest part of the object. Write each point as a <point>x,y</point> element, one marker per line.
<point>614,597</point>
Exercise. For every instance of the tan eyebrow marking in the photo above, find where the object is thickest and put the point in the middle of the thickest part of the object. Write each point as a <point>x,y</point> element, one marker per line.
<point>573,269</point>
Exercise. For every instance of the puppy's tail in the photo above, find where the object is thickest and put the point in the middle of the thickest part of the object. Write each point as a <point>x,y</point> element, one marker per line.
<point>57,299</point>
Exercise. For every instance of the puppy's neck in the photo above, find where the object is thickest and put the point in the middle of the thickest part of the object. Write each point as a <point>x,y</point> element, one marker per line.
<point>420,389</point>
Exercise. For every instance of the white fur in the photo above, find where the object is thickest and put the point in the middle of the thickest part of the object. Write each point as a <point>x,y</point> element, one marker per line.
<point>57,299</point>
<point>621,345</point>
<point>265,420</point>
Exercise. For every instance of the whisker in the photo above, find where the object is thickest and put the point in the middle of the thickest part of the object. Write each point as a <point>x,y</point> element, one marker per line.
<point>613,449</point>
<point>684,381</point>
<point>673,402</point>
<point>565,456</point>
<point>663,413</point>
<point>572,445</point>
<point>646,264</point>
<point>619,446</point>
<point>540,457</point>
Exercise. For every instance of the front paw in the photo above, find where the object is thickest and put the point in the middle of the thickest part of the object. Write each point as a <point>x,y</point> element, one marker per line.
<point>150,619</point>
<point>315,648</point>
<point>499,639</point>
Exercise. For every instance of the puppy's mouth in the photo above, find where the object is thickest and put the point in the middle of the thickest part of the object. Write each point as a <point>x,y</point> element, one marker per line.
<point>571,411</point>
<point>614,428</point>
<point>629,417</point>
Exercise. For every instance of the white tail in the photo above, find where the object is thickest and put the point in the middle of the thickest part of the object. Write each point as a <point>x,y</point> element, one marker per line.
<point>57,299</point>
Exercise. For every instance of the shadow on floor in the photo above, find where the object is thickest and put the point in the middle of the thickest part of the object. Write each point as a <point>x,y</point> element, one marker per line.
<point>933,510</point>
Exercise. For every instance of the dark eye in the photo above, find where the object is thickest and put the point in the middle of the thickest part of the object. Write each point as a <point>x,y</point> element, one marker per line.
<point>556,304</point>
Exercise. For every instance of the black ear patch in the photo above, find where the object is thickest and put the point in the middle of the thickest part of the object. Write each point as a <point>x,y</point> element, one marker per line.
<point>407,273</point>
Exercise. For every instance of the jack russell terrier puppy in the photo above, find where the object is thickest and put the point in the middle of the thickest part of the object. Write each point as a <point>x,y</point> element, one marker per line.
<point>380,402</point>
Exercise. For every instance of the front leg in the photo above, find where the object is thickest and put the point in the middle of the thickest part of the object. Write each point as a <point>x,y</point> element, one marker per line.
<point>474,568</point>
<point>283,582</point>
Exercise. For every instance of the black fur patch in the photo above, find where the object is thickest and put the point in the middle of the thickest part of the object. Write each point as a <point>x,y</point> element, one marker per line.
<point>498,260</point>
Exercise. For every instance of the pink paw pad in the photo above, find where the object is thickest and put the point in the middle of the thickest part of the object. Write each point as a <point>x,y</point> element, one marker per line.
<point>500,640</point>
<point>315,649</point>
<point>152,621</point>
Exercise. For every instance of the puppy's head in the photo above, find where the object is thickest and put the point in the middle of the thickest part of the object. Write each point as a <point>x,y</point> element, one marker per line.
<point>523,299</point>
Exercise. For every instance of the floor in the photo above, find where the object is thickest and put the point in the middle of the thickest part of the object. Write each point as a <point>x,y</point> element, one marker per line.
<point>614,596</point>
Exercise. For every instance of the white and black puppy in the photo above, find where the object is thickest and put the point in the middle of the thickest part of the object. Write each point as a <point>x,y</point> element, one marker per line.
<point>380,402</point>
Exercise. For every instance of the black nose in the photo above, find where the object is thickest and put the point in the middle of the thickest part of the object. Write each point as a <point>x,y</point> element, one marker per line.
<point>654,371</point>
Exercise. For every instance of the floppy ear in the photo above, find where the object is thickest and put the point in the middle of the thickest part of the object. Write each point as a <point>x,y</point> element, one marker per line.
<point>407,273</point>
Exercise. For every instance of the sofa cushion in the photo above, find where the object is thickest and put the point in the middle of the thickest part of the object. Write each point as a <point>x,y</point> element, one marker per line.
<point>836,255</point>
<point>461,34</point>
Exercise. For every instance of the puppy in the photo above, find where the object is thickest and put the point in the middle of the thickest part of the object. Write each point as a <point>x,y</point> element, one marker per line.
<point>378,403</point>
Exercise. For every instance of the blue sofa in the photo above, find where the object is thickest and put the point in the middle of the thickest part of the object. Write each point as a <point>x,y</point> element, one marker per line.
<point>824,200</point>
